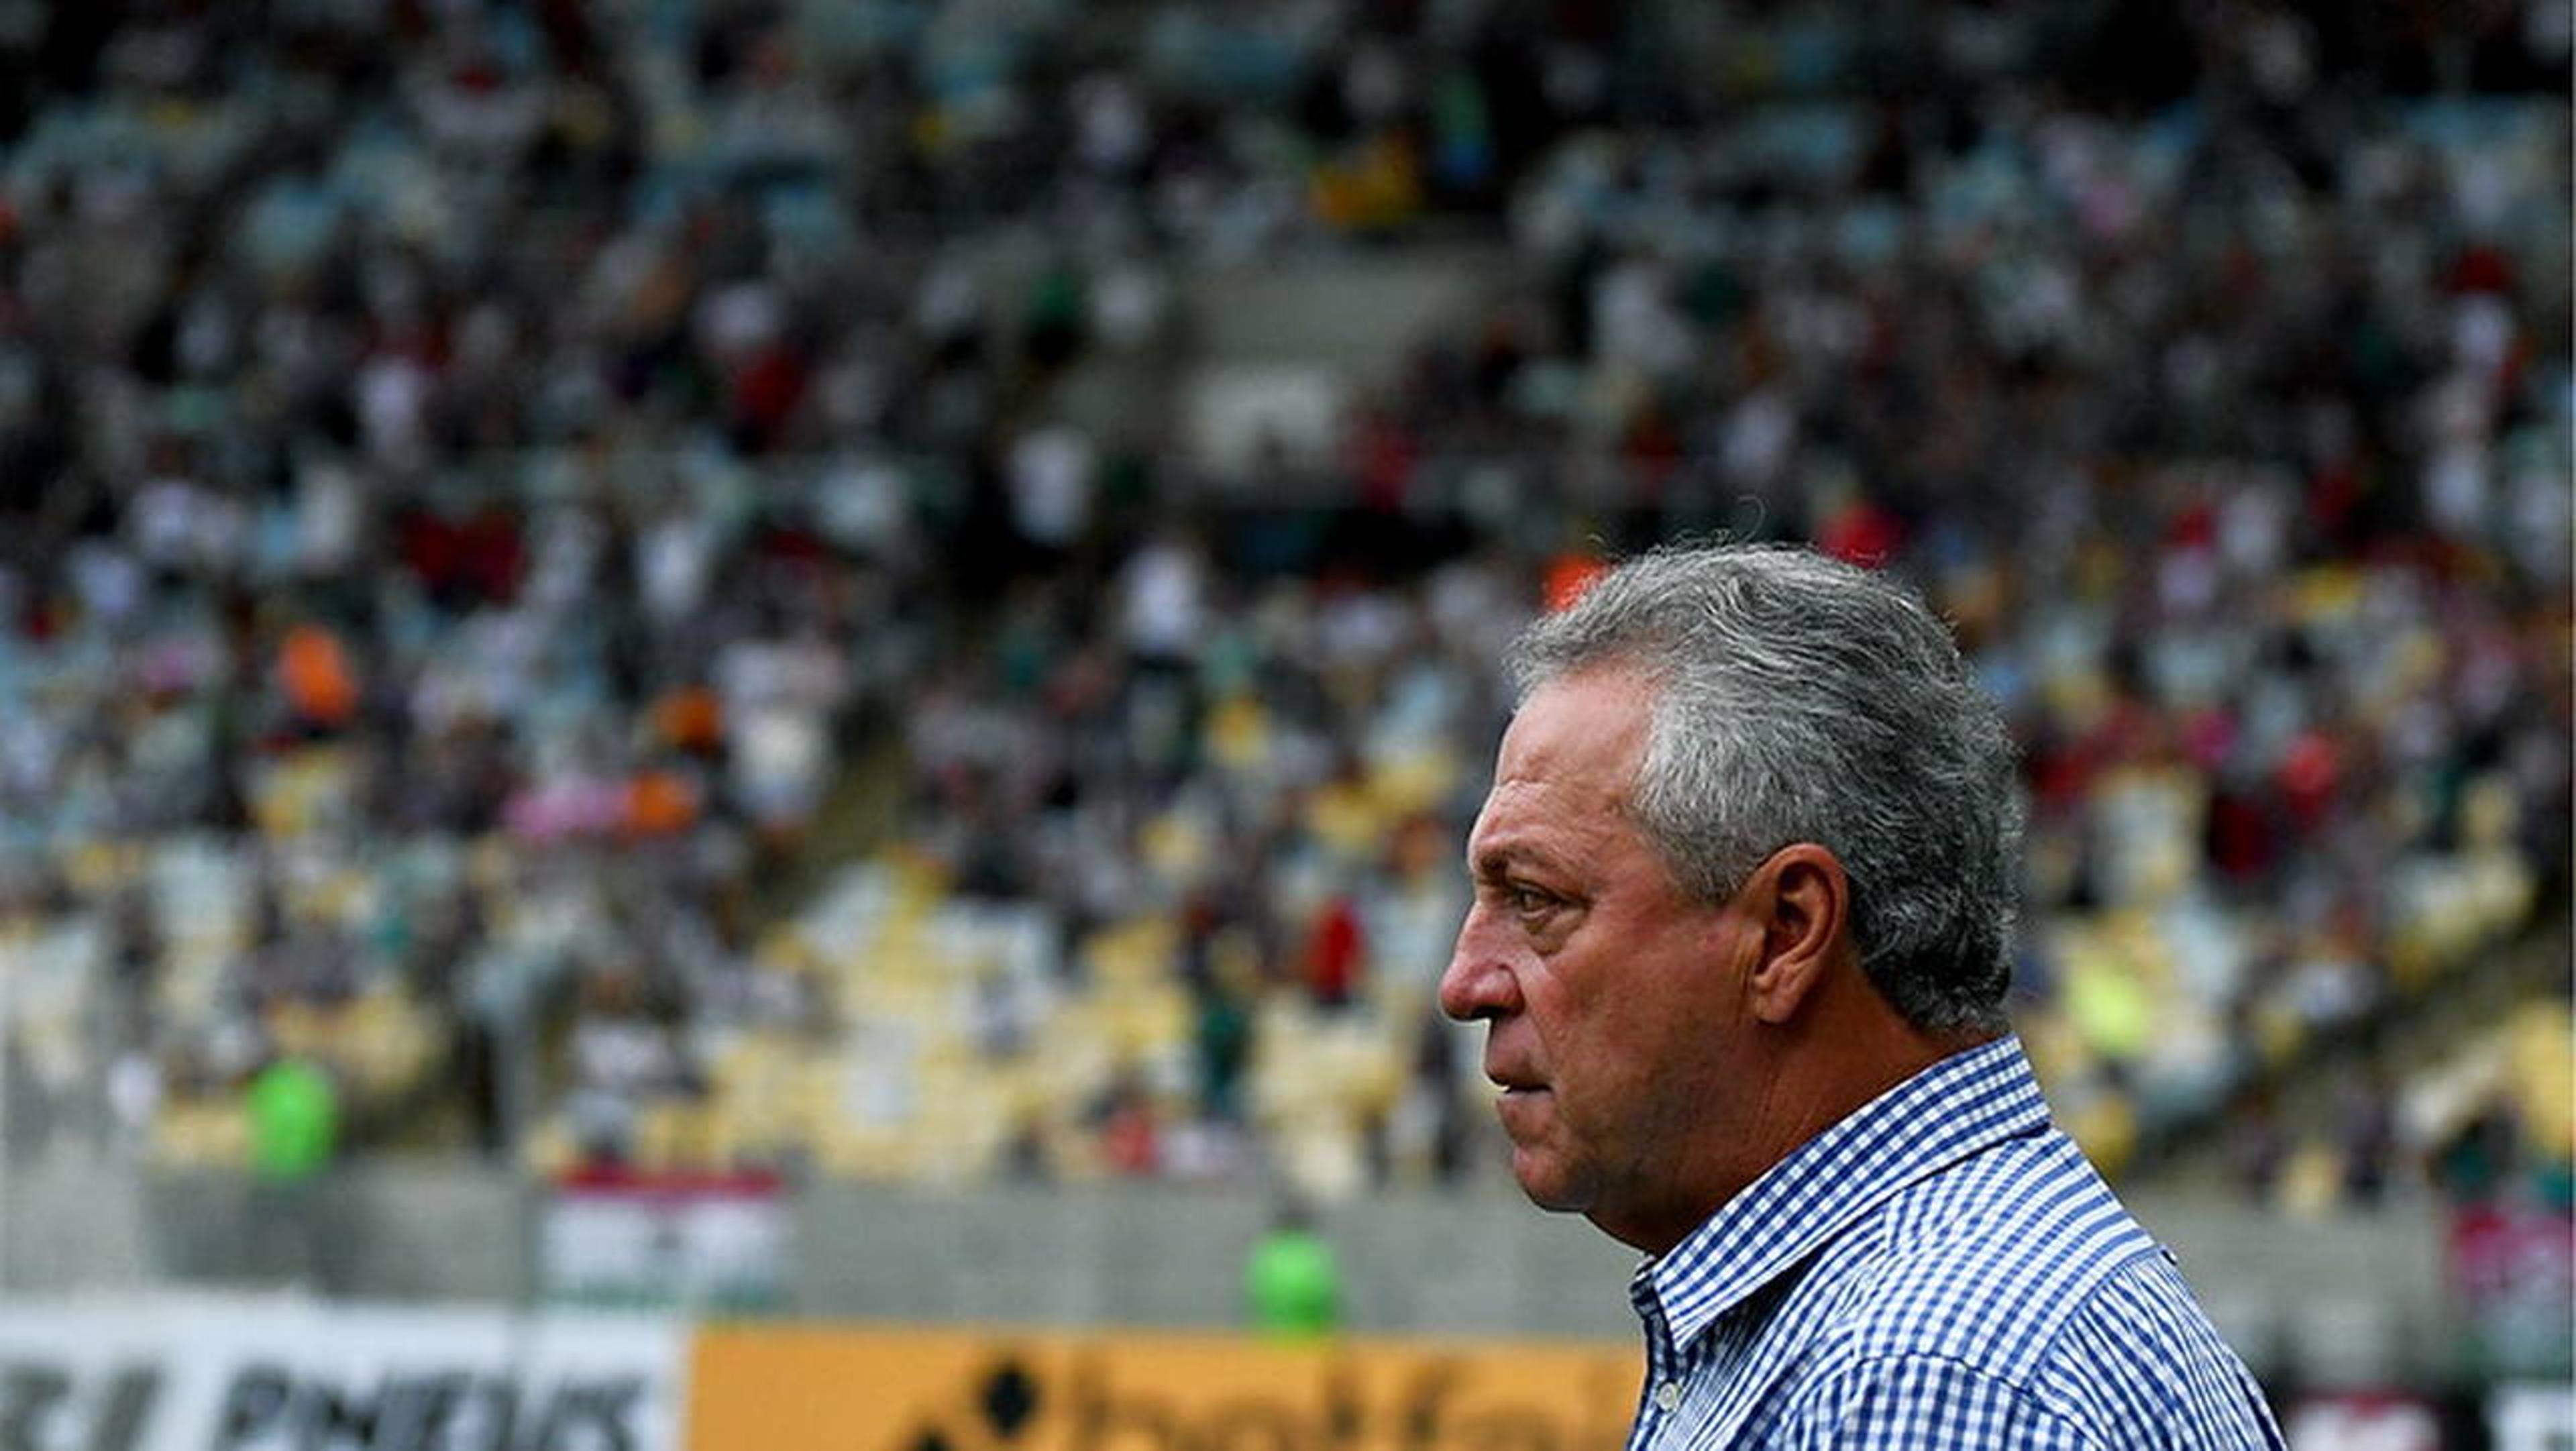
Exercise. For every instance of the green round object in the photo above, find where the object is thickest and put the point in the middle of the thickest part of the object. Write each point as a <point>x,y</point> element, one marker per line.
<point>294,1120</point>
<point>1293,1284</point>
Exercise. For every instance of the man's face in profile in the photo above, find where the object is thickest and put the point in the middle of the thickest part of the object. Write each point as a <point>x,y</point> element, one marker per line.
<point>1605,987</point>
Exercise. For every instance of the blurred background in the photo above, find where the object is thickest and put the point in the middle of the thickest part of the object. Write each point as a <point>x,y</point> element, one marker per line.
<point>768,659</point>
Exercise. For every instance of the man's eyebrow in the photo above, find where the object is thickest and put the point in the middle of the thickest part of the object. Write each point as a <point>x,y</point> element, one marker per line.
<point>1493,863</point>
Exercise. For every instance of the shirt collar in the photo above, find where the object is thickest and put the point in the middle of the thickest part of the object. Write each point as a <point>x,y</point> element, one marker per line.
<point>1952,1109</point>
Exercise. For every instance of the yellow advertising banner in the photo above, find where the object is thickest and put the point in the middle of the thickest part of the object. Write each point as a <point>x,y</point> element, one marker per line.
<point>801,1388</point>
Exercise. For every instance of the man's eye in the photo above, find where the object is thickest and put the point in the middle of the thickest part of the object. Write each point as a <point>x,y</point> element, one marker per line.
<point>1528,901</point>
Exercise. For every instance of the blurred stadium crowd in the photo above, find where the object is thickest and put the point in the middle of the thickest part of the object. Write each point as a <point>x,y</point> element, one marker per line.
<point>500,498</point>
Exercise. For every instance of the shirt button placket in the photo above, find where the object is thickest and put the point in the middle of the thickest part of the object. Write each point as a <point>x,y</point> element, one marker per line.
<point>1668,1396</point>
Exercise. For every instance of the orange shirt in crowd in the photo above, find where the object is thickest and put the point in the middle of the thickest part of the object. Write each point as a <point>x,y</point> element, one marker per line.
<point>314,670</point>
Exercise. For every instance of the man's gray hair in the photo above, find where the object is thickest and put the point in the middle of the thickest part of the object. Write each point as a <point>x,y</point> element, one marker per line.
<point>1800,699</point>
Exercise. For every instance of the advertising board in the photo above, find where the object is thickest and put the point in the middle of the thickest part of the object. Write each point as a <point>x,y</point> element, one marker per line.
<point>262,1376</point>
<point>778,1388</point>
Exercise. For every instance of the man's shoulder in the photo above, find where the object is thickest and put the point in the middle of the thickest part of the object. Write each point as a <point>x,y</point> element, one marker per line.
<point>1987,1263</point>
<point>2117,1355</point>
<point>2005,1297</point>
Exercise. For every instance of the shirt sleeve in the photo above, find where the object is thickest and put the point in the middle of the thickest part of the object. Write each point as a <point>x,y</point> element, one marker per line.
<point>2143,1364</point>
<point>1905,1402</point>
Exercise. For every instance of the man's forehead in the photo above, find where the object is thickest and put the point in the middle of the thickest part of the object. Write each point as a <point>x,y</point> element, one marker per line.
<point>1547,822</point>
<point>1497,832</point>
<point>1583,731</point>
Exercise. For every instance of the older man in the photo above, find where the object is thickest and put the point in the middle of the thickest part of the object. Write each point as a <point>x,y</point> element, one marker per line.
<point>1744,894</point>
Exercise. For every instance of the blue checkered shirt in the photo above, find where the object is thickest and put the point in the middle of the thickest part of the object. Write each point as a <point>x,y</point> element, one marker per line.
<point>1940,1269</point>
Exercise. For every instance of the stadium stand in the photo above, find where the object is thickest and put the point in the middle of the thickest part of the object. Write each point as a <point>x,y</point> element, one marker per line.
<point>661,583</point>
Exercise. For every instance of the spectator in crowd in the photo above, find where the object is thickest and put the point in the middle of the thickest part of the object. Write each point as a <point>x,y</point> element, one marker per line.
<point>294,1116</point>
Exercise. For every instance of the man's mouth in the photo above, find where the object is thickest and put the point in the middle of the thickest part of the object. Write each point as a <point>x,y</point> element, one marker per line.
<point>1512,1082</point>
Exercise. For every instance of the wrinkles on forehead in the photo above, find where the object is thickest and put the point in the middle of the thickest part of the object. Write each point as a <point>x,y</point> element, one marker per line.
<point>1566,778</point>
<point>1584,735</point>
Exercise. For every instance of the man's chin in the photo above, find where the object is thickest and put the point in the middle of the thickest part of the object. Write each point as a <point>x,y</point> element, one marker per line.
<point>1547,1183</point>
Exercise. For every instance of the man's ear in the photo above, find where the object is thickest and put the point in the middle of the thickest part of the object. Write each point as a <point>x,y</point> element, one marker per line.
<point>1801,898</point>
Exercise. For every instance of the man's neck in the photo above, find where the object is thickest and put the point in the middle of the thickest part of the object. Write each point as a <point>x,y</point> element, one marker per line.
<point>1822,1070</point>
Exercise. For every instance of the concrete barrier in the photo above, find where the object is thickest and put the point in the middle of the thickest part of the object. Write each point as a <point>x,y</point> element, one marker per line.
<point>2351,1299</point>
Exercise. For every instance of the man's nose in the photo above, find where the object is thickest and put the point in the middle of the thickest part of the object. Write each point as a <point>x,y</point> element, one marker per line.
<point>1478,983</point>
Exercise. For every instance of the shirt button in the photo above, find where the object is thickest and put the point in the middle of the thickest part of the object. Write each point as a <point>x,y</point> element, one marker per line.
<point>1668,1395</point>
